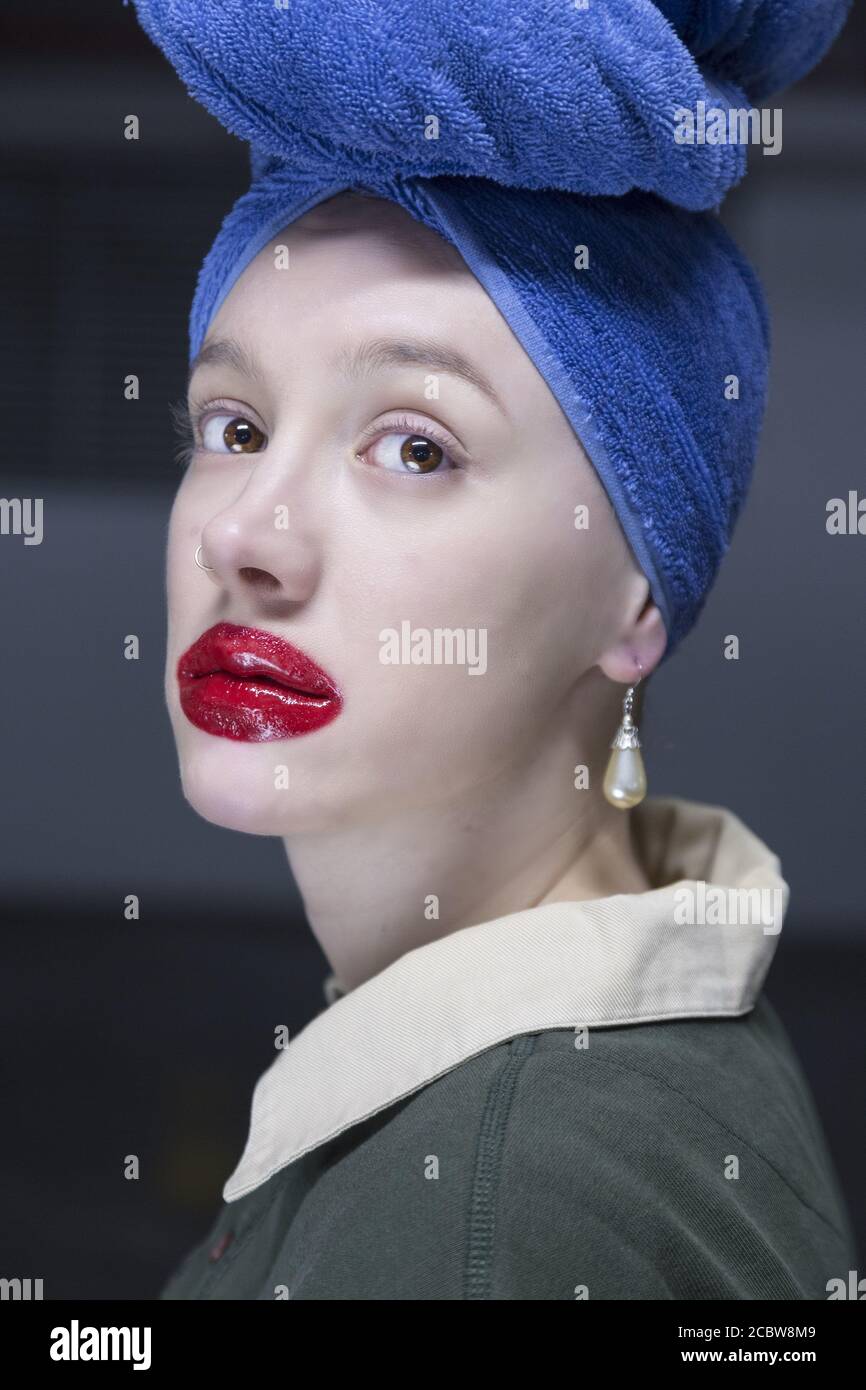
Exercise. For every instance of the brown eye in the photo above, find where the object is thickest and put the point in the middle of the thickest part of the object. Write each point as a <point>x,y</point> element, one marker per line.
<point>419,454</point>
<point>222,432</point>
<point>403,448</point>
<point>242,436</point>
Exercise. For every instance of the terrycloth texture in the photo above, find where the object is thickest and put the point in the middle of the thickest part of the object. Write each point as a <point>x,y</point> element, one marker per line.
<point>555,130</point>
<point>530,93</point>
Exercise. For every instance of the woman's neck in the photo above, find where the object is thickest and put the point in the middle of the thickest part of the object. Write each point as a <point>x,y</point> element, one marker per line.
<point>376,891</point>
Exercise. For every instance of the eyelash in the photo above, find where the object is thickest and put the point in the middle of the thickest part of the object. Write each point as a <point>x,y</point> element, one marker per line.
<point>187,418</point>
<point>186,442</point>
<point>403,425</point>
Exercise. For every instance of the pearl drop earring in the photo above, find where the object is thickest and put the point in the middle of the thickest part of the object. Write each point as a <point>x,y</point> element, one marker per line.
<point>625,778</point>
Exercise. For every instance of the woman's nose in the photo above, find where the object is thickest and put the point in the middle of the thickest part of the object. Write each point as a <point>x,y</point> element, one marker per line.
<point>260,546</point>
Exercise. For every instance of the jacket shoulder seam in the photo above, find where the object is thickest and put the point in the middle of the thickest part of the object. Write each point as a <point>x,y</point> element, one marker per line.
<point>726,1127</point>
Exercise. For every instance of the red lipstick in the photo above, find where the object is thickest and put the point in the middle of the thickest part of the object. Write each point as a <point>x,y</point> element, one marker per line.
<point>239,682</point>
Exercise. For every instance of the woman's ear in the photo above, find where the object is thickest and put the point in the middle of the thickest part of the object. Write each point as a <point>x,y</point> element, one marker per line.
<point>638,650</point>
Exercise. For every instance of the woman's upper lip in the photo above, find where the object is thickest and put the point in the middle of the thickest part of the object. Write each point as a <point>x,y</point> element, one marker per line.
<point>250,652</point>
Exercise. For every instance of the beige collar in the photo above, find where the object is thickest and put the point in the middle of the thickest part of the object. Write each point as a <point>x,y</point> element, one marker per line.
<point>689,948</point>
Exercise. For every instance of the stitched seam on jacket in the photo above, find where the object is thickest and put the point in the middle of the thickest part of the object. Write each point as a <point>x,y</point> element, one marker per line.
<point>727,1128</point>
<point>488,1162</point>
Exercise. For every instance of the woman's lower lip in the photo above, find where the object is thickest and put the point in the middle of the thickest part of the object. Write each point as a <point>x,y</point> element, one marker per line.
<point>251,709</point>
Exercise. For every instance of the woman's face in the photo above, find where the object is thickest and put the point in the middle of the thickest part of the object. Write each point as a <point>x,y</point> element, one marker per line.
<point>393,493</point>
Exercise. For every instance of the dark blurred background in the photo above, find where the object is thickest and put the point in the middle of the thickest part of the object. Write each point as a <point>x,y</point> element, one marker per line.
<point>147,1037</point>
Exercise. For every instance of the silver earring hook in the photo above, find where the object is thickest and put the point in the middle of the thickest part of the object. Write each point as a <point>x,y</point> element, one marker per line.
<point>198,561</point>
<point>628,702</point>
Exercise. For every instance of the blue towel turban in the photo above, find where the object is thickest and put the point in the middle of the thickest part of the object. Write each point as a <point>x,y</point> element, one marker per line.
<point>554,129</point>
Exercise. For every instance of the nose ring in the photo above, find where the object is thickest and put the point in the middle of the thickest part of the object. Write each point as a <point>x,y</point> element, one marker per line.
<point>198,561</point>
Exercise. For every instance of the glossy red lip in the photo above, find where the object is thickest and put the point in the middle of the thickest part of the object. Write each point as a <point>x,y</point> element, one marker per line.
<point>242,683</point>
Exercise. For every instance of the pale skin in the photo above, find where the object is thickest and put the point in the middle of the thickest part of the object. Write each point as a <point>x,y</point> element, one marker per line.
<point>431,781</point>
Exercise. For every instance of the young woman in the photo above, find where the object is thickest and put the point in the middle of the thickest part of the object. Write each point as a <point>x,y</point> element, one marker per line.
<point>463,459</point>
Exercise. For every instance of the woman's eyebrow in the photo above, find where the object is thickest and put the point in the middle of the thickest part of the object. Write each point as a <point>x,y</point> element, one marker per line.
<point>228,352</point>
<point>377,353</point>
<point>365,359</point>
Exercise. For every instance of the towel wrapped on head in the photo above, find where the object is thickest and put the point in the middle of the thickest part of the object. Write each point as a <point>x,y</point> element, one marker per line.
<point>521,130</point>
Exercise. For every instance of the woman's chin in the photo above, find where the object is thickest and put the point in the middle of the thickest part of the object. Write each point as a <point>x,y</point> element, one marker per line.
<point>241,788</point>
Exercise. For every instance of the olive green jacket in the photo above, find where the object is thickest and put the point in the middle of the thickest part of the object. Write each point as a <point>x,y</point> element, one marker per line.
<point>582,1100</point>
